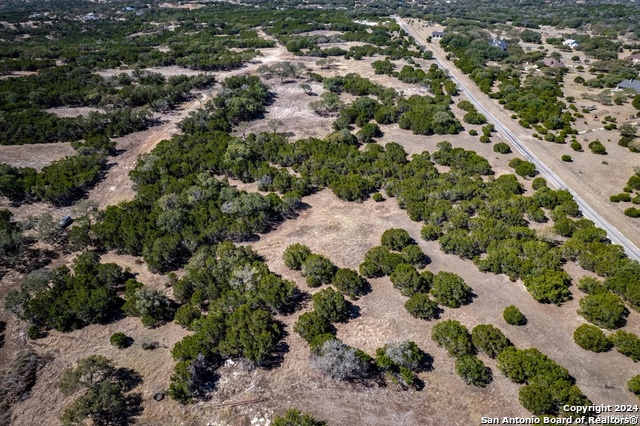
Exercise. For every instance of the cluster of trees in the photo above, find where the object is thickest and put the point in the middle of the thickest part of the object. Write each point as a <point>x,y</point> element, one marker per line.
<point>548,387</point>
<point>35,126</point>
<point>421,114</point>
<point>126,98</point>
<point>400,258</point>
<point>59,183</point>
<point>379,40</point>
<point>69,298</point>
<point>459,343</point>
<point>241,296</point>
<point>426,116</point>
<point>535,99</point>
<point>600,306</point>
<point>104,399</point>
<point>472,115</point>
<point>13,243</point>
<point>523,168</point>
<point>180,205</point>
<point>470,217</point>
<point>631,193</point>
<point>320,270</point>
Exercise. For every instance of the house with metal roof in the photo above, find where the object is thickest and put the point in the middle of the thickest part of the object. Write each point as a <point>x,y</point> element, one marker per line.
<point>632,84</point>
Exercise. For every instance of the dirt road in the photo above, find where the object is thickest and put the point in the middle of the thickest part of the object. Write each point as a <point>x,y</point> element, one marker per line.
<point>595,210</point>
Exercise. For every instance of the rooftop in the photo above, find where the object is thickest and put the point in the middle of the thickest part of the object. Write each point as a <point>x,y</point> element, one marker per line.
<point>630,84</point>
<point>553,63</point>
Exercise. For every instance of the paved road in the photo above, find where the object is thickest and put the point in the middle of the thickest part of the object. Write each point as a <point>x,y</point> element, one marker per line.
<point>614,235</point>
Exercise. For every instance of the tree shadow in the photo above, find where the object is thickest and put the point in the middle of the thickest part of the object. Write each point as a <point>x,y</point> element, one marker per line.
<point>128,378</point>
<point>418,384</point>
<point>426,363</point>
<point>134,408</point>
<point>366,289</point>
<point>622,321</point>
<point>469,298</point>
<point>36,258</point>
<point>3,327</point>
<point>354,311</point>
<point>277,357</point>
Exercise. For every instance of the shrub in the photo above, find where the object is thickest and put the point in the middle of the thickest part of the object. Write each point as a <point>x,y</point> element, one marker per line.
<point>350,283</point>
<point>379,261</point>
<point>473,132</point>
<point>450,290</point>
<point>151,305</point>
<point>294,417</point>
<point>406,279</point>
<point>414,255</point>
<point>342,362</point>
<point>634,385</point>
<point>623,196</point>
<point>420,306</point>
<point>310,325</point>
<point>368,132</point>
<point>627,344</point>
<point>119,340</point>
<point>591,285</point>
<point>404,354</point>
<point>604,309</point>
<point>102,399</point>
<point>632,212</point>
<point>396,239</point>
<point>186,314</point>
<point>597,148</point>
<point>538,183</point>
<point>564,227</point>
<point>566,158</point>
<point>295,255</point>
<point>513,316</point>
<point>485,139</point>
<point>430,232</point>
<point>576,146</point>
<point>523,168</point>
<point>318,270</point>
<point>454,337</point>
<point>331,305</point>
<point>502,148</point>
<point>591,338</point>
<point>473,371</point>
<point>489,339</point>
<point>377,197</point>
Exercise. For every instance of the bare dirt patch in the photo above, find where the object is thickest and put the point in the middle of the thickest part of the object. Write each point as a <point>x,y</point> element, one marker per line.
<point>73,112</point>
<point>17,74</point>
<point>290,113</point>
<point>35,155</point>
<point>169,71</point>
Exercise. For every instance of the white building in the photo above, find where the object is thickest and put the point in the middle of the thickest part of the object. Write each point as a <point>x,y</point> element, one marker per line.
<point>570,43</point>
